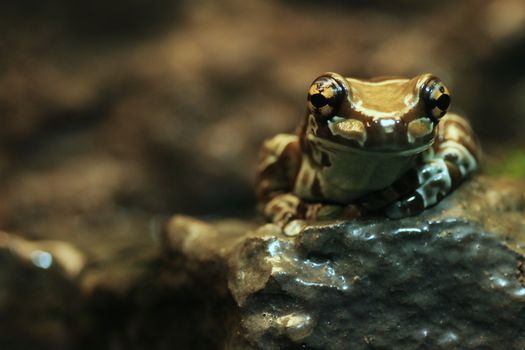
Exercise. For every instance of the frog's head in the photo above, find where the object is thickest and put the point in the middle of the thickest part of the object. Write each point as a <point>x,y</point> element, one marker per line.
<point>386,115</point>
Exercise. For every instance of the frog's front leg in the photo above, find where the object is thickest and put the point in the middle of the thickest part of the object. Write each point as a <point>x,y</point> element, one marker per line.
<point>279,164</point>
<point>292,213</point>
<point>454,156</point>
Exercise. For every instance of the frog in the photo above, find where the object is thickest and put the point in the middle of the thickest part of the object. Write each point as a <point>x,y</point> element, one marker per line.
<point>385,146</point>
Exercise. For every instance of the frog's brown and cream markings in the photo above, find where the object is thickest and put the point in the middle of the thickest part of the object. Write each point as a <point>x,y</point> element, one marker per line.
<point>364,146</point>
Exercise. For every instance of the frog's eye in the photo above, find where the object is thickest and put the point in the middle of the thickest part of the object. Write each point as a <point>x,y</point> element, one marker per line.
<point>436,97</point>
<point>325,96</point>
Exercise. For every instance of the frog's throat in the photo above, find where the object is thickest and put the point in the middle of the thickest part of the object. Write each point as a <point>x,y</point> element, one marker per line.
<point>332,146</point>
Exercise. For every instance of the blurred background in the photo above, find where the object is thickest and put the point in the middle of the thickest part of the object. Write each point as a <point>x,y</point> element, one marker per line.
<point>116,113</point>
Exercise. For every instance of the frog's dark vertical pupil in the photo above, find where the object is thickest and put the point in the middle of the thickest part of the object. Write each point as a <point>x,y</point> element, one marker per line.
<point>443,102</point>
<point>318,100</point>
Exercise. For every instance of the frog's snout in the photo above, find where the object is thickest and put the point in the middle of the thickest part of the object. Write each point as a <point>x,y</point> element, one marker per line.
<point>384,133</point>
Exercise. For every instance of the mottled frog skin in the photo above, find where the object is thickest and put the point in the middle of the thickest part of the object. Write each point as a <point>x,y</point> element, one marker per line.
<point>365,146</point>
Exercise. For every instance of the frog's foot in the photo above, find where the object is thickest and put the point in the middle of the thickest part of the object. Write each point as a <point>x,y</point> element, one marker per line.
<point>433,183</point>
<point>399,189</point>
<point>420,188</point>
<point>292,214</point>
<point>283,208</point>
<point>321,211</point>
<point>294,227</point>
<point>351,211</point>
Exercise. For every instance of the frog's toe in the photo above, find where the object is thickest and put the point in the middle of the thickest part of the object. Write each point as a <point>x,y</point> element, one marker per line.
<point>329,211</point>
<point>436,184</point>
<point>410,205</point>
<point>294,228</point>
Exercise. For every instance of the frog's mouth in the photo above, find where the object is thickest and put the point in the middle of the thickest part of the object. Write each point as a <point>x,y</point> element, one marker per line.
<point>337,147</point>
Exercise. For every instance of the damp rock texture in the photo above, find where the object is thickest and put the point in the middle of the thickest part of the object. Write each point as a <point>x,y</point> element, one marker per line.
<point>452,278</point>
<point>39,293</point>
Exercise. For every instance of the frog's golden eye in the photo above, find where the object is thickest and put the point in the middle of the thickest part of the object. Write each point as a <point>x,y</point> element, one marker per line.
<point>325,96</point>
<point>436,97</point>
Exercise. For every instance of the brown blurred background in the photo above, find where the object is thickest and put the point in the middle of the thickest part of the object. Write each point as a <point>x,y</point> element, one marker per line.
<point>115,114</point>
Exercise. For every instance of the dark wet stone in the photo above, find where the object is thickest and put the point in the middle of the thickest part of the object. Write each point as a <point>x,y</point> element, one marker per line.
<point>39,293</point>
<point>451,278</point>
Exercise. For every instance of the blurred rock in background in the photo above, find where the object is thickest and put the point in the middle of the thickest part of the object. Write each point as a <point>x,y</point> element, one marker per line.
<point>158,108</point>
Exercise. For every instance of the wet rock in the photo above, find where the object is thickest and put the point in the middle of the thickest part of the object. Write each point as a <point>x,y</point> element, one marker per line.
<point>450,278</point>
<point>86,291</point>
<point>39,294</point>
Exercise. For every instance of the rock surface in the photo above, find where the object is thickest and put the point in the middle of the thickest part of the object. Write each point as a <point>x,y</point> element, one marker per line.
<point>451,278</point>
<point>39,295</point>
